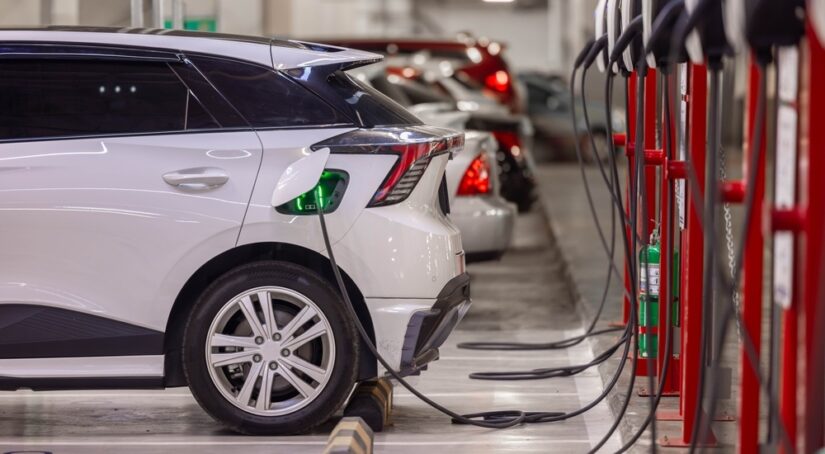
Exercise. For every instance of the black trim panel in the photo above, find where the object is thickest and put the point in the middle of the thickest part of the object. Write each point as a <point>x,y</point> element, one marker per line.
<point>58,384</point>
<point>30,331</point>
<point>427,330</point>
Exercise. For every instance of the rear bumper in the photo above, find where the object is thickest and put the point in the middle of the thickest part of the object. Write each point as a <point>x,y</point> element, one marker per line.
<point>486,224</point>
<point>427,330</point>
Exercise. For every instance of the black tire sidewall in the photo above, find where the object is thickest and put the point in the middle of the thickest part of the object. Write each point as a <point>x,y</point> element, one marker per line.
<point>261,274</point>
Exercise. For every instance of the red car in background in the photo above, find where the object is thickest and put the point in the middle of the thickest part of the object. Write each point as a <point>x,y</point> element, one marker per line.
<point>479,59</point>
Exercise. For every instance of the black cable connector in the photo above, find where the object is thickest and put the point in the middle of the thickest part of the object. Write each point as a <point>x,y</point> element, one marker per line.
<point>626,38</point>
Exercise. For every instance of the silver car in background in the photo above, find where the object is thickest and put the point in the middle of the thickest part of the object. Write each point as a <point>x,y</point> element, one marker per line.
<point>484,217</point>
<point>477,208</point>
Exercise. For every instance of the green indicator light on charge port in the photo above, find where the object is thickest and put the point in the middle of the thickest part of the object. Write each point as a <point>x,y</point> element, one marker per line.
<point>327,193</point>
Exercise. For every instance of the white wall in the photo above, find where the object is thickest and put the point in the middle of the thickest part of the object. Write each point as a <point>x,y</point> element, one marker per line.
<point>344,18</point>
<point>17,13</point>
<point>526,32</point>
<point>544,37</point>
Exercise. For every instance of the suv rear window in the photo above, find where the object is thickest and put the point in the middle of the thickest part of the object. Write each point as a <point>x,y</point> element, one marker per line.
<point>371,107</point>
<point>66,98</point>
<point>266,98</point>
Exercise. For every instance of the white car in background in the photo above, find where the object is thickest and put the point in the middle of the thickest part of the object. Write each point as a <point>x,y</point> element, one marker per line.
<point>484,217</point>
<point>159,200</point>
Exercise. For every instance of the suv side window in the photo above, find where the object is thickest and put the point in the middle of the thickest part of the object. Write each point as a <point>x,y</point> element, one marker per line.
<point>266,98</point>
<point>42,98</point>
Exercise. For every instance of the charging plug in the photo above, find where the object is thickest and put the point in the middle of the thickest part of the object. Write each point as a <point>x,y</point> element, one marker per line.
<point>660,17</point>
<point>633,50</point>
<point>614,29</point>
<point>707,40</point>
<point>762,24</point>
<point>601,30</point>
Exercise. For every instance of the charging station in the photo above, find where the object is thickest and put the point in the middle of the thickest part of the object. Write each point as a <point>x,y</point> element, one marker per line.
<point>384,234</point>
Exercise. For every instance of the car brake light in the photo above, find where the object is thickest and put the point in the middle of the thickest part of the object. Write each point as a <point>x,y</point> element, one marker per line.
<point>498,81</point>
<point>510,142</point>
<point>414,146</point>
<point>476,179</point>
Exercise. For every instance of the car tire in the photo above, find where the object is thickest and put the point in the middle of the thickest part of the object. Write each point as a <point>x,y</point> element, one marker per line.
<point>279,354</point>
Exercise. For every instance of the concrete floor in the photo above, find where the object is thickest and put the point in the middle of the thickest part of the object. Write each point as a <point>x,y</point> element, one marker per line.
<point>570,219</point>
<point>524,297</point>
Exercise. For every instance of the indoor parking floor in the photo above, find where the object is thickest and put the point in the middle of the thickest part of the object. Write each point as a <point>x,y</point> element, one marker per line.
<point>523,297</point>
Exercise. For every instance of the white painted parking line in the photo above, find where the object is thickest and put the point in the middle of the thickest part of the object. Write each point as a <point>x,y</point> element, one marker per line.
<point>496,393</point>
<point>53,442</point>
<point>533,441</point>
<point>185,395</point>
<point>598,420</point>
<point>543,441</point>
<point>487,359</point>
<point>57,394</point>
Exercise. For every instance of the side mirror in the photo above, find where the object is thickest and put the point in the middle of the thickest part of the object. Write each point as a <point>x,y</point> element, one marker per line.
<point>300,177</point>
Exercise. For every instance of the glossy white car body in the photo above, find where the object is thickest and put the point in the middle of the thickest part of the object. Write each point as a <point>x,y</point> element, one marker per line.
<point>92,226</point>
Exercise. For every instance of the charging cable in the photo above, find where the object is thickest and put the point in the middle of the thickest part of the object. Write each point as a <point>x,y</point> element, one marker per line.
<point>492,419</point>
<point>684,25</point>
<point>586,57</point>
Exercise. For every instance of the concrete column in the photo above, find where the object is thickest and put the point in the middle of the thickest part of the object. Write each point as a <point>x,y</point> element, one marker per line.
<point>65,12</point>
<point>157,13</point>
<point>555,34</point>
<point>136,13</point>
<point>177,14</point>
<point>46,12</point>
<point>277,17</point>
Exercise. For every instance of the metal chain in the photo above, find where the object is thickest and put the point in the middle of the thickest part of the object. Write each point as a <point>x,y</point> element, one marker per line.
<point>728,217</point>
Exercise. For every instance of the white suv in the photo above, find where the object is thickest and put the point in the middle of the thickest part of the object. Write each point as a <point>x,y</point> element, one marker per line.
<point>158,194</point>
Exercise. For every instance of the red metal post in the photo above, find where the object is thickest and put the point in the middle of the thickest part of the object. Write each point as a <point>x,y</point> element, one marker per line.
<point>630,140</point>
<point>666,188</point>
<point>692,243</point>
<point>752,277</point>
<point>650,123</point>
<point>811,246</point>
<point>786,221</point>
<point>651,98</point>
<point>692,249</point>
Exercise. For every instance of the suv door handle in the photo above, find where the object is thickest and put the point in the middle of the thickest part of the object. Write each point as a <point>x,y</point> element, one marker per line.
<point>197,178</point>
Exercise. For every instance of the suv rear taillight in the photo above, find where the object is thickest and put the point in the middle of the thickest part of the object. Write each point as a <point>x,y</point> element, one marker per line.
<point>476,179</point>
<point>414,146</point>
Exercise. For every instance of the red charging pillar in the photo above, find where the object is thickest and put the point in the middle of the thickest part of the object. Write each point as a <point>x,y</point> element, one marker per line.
<point>752,268</point>
<point>666,191</point>
<point>650,128</point>
<point>811,248</point>
<point>692,244</point>
<point>798,223</point>
<point>630,142</point>
<point>785,226</point>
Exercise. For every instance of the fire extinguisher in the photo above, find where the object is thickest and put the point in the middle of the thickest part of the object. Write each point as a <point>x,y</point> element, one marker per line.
<point>649,281</point>
<point>649,271</point>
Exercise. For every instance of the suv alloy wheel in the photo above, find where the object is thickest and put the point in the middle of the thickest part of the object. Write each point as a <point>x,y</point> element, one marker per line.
<point>268,349</point>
